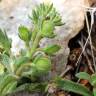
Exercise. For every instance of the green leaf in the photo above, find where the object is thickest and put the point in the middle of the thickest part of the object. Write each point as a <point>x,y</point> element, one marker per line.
<point>70,86</point>
<point>57,20</point>
<point>5,60</point>
<point>93,79</point>
<point>9,88</point>
<point>20,61</point>
<point>51,49</point>
<point>94,91</point>
<point>34,33</point>
<point>35,16</point>
<point>49,8</point>
<point>5,81</point>
<point>84,75</point>
<point>24,33</point>
<point>5,42</point>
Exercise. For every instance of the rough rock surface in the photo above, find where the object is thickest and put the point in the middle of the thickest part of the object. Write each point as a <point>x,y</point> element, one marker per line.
<point>15,12</point>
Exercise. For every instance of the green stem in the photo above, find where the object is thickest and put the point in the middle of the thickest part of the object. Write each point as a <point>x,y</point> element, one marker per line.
<point>34,33</point>
<point>28,48</point>
<point>35,44</point>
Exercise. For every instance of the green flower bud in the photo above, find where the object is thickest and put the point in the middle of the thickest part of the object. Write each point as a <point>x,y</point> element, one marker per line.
<point>47,29</point>
<point>24,33</point>
<point>42,64</point>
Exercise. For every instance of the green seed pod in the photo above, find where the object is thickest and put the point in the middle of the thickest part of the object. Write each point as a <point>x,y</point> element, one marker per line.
<point>47,29</point>
<point>24,33</point>
<point>42,64</point>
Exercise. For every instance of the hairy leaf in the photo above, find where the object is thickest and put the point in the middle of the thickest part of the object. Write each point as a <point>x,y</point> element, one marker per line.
<point>51,49</point>
<point>72,87</point>
<point>5,81</point>
<point>93,79</point>
<point>94,91</point>
<point>83,75</point>
<point>5,60</point>
<point>9,88</point>
<point>20,60</point>
<point>5,42</point>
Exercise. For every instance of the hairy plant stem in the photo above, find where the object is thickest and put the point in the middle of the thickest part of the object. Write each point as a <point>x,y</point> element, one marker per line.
<point>28,48</point>
<point>35,30</point>
<point>35,44</point>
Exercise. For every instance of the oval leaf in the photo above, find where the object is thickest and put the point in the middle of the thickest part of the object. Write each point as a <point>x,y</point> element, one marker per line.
<point>51,49</point>
<point>93,79</point>
<point>94,91</point>
<point>84,75</point>
<point>70,86</point>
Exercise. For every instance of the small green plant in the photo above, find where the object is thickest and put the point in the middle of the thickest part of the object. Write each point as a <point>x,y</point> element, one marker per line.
<point>33,61</point>
<point>91,79</point>
<point>77,88</point>
<point>71,86</point>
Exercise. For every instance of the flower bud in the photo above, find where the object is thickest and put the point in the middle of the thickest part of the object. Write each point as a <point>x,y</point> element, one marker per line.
<point>47,29</point>
<point>24,33</point>
<point>43,64</point>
